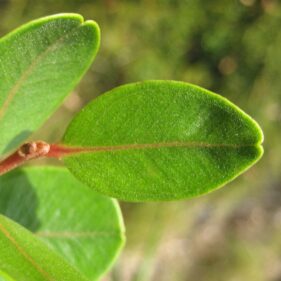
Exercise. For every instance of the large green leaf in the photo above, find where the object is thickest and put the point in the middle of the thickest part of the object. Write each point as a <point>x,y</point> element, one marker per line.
<point>26,258</point>
<point>40,63</point>
<point>83,226</point>
<point>161,140</point>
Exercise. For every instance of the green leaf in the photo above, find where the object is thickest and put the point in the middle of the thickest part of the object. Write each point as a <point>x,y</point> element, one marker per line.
<point>161,140</point>
<point>5,277</point>
<point>83,226</point>
<point>26,258</point>
<point>41,62</point>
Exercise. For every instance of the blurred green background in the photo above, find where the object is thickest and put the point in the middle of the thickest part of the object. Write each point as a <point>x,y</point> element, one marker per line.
<point>230,47</point>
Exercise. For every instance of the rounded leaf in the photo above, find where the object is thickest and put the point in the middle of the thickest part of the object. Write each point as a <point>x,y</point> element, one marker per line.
<point>161,140</point>
<point>41,62</point>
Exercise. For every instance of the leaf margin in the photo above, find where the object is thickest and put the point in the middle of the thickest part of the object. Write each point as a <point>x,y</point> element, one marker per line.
<point>257,145</point>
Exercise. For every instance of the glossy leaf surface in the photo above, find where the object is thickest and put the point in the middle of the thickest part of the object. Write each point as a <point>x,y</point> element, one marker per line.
<point>26,258</point>
<point>40,63</point>
<point>83,226</point>
<point>161,140</point>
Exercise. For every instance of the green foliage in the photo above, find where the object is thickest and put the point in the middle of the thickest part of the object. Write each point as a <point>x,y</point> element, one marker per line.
<point>161,140</point>
<point>5,277</point>
<point>147,141</point>
<point>41,62</point>
<point>84,227</point>
<point>26,258</point>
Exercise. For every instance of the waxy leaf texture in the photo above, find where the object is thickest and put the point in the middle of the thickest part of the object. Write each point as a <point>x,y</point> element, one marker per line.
<point>161,140</point>
<point>40,63</point>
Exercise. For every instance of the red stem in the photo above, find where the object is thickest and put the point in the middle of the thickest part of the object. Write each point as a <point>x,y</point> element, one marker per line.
<point>38,149</point>
<point>11,162</point>
<point>30,151</point>
<point>59,151</point>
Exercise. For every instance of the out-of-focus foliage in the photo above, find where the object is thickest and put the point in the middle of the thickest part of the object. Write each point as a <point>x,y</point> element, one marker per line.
<point>230,47</point>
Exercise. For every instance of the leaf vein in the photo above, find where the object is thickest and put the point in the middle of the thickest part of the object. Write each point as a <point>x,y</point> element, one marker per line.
<point>13,241</point>
<point>26,73</point>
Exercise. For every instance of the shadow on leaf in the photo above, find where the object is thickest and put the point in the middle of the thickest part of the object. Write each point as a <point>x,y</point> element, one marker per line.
<point>18,200</point>
<point>16,141</point>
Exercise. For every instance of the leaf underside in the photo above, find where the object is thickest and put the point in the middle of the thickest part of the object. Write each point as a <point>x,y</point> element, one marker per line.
<point>84,227</point>
<point>40,63</point>
<point>161,140</point>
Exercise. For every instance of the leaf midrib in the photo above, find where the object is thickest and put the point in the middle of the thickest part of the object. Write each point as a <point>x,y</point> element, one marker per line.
<point>26,73</point>
<point>68,150</point>
<point>26,256</point>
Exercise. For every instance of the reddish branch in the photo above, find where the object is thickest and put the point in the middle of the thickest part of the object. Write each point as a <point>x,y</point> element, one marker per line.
<point>40,149</point>
<point>33,150</point>
<point>27,151</point>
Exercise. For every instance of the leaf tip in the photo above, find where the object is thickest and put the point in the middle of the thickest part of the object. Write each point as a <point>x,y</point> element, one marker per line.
<point>94,33</point>
<point>260,133</point>
<point>260,151</point>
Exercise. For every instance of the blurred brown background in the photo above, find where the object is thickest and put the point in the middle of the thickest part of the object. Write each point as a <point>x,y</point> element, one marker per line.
<point>230,47</point>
